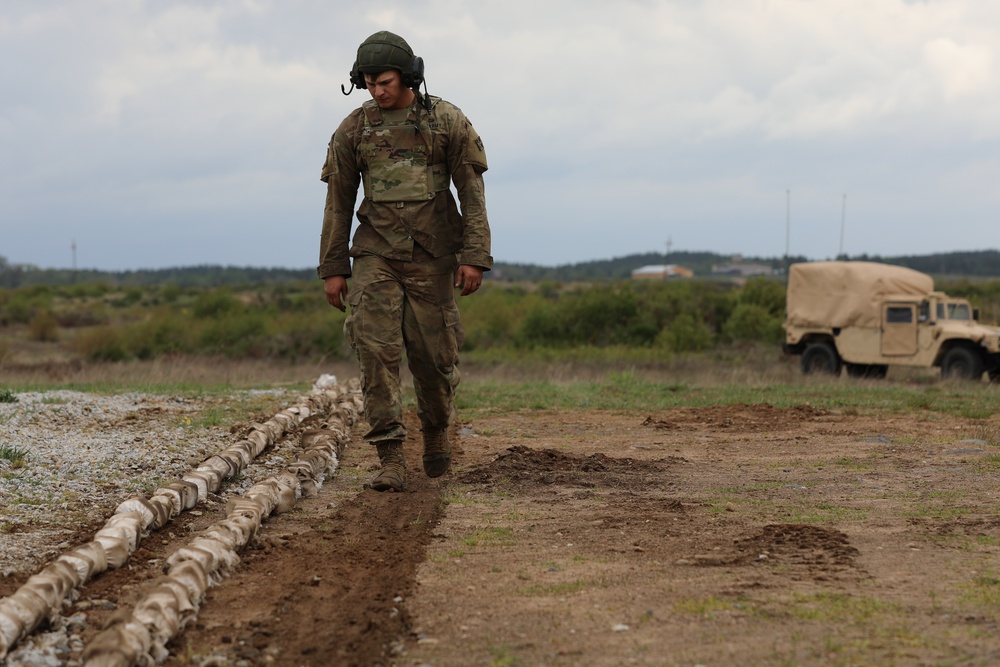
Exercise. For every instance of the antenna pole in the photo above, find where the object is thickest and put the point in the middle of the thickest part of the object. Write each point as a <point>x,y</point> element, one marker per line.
<point>788,225</point>
<point>843,218</point>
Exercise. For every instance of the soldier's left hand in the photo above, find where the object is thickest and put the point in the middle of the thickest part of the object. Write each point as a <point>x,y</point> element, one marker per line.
<point>469,278</point>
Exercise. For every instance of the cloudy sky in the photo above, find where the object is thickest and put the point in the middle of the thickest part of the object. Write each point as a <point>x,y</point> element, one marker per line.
<point>157,133</point>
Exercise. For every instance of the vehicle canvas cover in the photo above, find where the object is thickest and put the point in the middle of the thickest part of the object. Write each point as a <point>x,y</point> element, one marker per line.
<point>845,294</point>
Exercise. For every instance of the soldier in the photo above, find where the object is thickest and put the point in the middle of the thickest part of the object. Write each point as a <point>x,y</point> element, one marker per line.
<point>411,249</point>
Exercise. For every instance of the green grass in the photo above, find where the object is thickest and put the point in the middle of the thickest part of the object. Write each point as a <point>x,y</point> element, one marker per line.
<point>7,396</point>
<point>628,390</point>
<point>489,535</point>
<point>15,455</point>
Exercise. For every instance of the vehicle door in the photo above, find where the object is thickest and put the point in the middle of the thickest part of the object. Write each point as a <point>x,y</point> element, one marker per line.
<point>899,329</point>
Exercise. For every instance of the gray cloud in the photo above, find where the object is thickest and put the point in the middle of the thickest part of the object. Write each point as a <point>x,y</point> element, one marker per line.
<point>163,134</point>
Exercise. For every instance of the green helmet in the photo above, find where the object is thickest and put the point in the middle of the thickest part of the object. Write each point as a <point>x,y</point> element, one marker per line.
<point>384,51</point>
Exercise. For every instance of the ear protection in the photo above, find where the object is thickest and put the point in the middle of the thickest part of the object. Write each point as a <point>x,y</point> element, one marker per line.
<point>412,77</point>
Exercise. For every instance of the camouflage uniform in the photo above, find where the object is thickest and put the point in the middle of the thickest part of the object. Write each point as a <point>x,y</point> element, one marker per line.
<point>409,242</point>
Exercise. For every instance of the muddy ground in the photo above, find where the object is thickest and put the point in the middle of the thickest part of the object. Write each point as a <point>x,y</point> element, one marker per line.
<point>738,535</point>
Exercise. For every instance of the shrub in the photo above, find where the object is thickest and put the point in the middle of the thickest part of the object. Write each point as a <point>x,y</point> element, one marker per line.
<point>43,327</point>
<point>599,316</point>
<point>766,293</point>
<point>24,303</point>
<point>752,322</point>
<point>235,335</point>
<point>83,316</point>
<point>686,334</point>
<point>102,344</point>
<point>315,334</point>
<point>165,332</point>
<point>215,304</point>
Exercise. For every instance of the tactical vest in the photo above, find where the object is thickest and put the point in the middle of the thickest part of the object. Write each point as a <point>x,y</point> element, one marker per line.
<point>396,158</point>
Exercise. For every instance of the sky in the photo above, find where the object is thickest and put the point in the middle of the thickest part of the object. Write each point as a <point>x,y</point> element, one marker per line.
<point>154,134</point>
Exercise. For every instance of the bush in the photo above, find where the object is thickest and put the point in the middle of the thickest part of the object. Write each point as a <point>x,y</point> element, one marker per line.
<point>43,327</point>
<point>752,322</point>
<point>235,335</point>
<point>766,293</point>
<point>215,304</point>
<point>686,334</point>
<point>24,303</point>
<point>102,344</point>
<point>599,316</point>
<point>316,334</point>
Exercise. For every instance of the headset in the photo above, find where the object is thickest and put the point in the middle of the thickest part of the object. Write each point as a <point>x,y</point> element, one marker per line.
<point>411,79</point>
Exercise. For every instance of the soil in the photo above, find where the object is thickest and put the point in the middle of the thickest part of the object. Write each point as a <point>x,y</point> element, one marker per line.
<point>736,535</point>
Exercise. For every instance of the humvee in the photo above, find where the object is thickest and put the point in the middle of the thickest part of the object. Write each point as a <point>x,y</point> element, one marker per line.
<point>865,317</point>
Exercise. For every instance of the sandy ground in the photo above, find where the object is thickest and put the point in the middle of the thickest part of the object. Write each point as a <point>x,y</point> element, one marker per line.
<point>737,535</point>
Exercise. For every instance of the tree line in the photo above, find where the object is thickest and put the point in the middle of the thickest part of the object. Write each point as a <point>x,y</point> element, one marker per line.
<point>970,264</point>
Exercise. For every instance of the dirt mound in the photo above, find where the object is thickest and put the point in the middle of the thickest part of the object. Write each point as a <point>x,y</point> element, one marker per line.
<point>799,544</point>
<point>523,466</point>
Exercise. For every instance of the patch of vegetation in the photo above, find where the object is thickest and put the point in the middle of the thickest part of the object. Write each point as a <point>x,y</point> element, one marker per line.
<point>706,606</point>
<point>503,657</point>
<point>833,607</point>
<point>825,513</point>
<point>16,456</point>
<point>557,589</point>
<point>490,535</point>
<point>7,396</point>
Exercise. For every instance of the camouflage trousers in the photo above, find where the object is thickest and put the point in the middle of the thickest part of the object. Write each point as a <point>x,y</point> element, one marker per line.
<point>399,306</point>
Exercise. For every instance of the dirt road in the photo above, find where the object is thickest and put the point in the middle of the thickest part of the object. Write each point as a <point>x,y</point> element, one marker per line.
<point>732,535</point>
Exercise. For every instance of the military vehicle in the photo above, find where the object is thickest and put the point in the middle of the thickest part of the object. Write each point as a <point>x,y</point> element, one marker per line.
<point>864,317</point>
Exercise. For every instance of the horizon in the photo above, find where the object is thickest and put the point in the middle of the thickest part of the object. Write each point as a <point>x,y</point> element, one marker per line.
<point>21,265</point>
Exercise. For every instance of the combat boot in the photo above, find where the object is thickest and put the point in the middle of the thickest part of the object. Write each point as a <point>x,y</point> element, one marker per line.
<point>437,451</point>
<point>393,473</point>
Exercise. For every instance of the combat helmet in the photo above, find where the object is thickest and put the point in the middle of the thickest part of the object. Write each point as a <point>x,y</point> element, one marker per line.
<point>383,51</point>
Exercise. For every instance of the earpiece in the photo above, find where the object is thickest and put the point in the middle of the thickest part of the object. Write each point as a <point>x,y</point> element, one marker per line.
<point>412,72</point>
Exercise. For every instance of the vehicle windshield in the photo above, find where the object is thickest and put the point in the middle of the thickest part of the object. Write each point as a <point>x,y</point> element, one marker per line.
<point>953,311</point>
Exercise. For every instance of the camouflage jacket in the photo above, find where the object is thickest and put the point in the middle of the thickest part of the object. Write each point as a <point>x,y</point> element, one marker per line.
<point>406,166</point>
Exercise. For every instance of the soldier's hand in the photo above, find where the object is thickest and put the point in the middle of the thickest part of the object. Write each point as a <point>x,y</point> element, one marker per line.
<point>469,278</point>
<point>336,292</point>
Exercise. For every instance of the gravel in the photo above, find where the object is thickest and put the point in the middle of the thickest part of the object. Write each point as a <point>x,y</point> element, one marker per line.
<point>85,454</point>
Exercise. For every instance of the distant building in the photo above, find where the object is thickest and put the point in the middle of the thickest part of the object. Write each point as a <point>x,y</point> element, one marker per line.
<point>737,267</point>
<point>661,272</point>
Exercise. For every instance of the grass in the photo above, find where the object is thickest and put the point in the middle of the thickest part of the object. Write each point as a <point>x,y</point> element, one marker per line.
<point>16,456</point>
<point>632,390</point>
<point>490,536</point>
<point>7,396</point>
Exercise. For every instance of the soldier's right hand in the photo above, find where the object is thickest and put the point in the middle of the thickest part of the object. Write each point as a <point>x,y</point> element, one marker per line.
<point>335,288</point>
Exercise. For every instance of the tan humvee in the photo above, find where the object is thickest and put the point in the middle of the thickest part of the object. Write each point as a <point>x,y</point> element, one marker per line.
<point>865,316</point>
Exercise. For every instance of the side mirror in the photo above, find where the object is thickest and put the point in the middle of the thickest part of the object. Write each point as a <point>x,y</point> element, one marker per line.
<point>975,314</point>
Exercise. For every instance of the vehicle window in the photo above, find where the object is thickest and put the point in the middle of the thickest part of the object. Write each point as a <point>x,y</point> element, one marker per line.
<point>958,311</point>
<point>925,311</point>
<point>898,315</point>
<point>940,311</point>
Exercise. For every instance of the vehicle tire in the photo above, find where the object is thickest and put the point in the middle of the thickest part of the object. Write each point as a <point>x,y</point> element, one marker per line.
<point>962,363</point>
<point>820,359</point>
<point>994,375</point>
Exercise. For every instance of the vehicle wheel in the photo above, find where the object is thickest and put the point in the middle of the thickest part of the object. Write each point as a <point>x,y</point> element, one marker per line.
<point>961,363</point>
<point>994,374</point>
<point>820,358</point>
